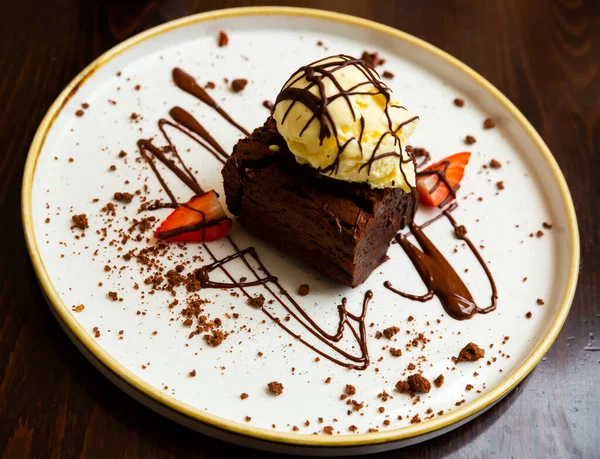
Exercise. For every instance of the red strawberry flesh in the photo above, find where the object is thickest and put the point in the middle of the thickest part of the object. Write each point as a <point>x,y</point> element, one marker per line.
<point>201,219</point>
<point>438,183</point>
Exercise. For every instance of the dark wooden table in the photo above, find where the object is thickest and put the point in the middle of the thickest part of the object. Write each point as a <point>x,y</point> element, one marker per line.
<point>543,54</point>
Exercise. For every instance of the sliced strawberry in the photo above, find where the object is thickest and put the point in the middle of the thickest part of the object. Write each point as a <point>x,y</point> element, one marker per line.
<point>432,183</point>
<point>201,219</point>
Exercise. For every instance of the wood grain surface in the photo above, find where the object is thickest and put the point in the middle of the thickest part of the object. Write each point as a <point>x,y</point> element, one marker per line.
<point>543,54</point>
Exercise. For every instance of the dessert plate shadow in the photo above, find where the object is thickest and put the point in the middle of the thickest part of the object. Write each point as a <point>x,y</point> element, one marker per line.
<point>525,228</point>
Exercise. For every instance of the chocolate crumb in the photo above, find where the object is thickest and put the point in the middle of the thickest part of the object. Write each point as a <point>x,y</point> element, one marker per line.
<point>123,197</point>
<point>402,387</point>
<point>391,331</point>
<point>328,380</point>
<point>112,168</point>
<point>540,301</point>
<point>495,164</point>
<point>192,373</point>
<point>137,87</point>
<point>319,43</point>
<point>257,301</point>
<point>528,315</point>
<point>461,231</point>
<point>328,430</point>
<point>540,233</point>
<point>469,387</point>
<point>459,102</point>
<point>439,381</point>
<point>419,384</point>
<point>350,389</point>
<point>122,154</point>
<point>239,84</point>
<point>416,419</point>
<point>470,140</point>
<point>488,123</point>
<point>244,396</point>
<point>372,59</point>
<point>395,352</point>
<point>79,112</point>
<point>275,387</point>
<point>381,409</point>
<point>303,290</point>
<point>223,39</point>
<point>470,353</point>
<point>547,225</point>
<point>78,308</point>
<point>210,85</point>
<point>248,418</point>
<point>295,428</point>
<point>500,185</point>
<point>80,221</point>
<point>411,366</point>
<point>215,339</point>
<point>388,74</point>
<point>353,428</point>
<point>96,332</point>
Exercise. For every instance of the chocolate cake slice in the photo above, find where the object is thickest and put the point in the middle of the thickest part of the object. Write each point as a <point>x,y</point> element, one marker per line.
<point>340,228</point>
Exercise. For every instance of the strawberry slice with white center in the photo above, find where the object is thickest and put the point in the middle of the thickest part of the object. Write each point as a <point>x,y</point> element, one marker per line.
<point>201,219</point>
<point>438,183</point>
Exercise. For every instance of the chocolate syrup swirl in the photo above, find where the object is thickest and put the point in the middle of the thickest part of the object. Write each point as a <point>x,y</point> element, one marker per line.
<point>315,73</point>
<point>186,82</point>
<point>281,296</point>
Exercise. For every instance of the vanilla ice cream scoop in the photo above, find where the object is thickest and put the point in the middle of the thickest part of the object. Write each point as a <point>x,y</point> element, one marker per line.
<point>339,117</point>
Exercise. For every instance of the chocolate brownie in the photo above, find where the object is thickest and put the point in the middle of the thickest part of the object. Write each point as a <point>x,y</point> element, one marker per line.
<point>342,229</point>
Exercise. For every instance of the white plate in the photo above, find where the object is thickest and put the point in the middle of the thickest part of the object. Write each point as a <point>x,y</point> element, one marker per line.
<point>265,46</point>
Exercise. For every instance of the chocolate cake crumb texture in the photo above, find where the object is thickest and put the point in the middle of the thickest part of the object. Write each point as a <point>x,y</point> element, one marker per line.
<point>239,84</point>
<point>123,197</point>
<point>390,331</point>
<point>275,387</point>
<point>303,289</point>
<point>223,39</point>
<point>495,164</point>
<point>350,389</point>
<point>80,221</point>
<point>540,301</point>
<point>79,112</point>
<point>418,384</point>
<point>439,381</point>
<point>459,102</point>
<point>372,59</point>
<point>488,123</point>
<point>470,140</point>
<point>257,301</point>
<point>470,353</point>
<point>528,315</point>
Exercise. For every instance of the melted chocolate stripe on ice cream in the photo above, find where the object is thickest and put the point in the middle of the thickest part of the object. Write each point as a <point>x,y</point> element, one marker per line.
<point>318,105</point>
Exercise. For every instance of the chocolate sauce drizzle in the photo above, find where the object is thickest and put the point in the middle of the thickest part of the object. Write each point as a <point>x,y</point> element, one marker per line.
<point>346,319</point>
<point>435,271</point>
<point>319,106</point>
<point>190,126</point>
<point>187,83</point>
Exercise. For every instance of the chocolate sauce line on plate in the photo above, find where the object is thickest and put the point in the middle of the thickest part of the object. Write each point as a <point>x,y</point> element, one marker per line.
<point>318,105</point>
<point>437,273</point>
<point>189,126</point>
<point>361,362</point>
<point>187,83</point>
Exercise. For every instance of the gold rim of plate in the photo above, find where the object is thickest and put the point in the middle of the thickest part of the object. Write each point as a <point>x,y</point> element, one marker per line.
<point>237,427</point>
